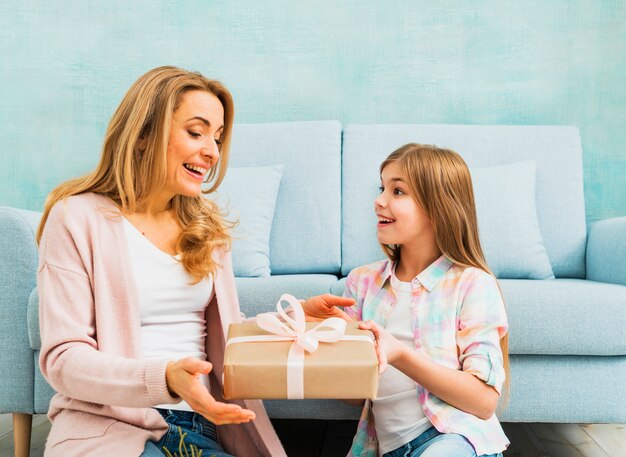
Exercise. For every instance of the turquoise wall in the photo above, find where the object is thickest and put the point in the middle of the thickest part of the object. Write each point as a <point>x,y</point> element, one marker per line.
<point>63,70</point>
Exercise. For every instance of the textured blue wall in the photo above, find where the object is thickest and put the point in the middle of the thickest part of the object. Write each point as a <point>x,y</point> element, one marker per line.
<point>63,70</point>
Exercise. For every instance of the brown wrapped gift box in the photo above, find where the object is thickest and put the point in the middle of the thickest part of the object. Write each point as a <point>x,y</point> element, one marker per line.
<point>344,369</point>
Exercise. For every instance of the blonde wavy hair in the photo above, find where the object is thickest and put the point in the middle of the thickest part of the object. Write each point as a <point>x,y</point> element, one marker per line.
<point>440,182</point>
<point>134,159</point>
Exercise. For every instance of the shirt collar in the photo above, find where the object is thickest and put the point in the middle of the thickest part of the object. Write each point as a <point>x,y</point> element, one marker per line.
<point>435,271</point>
<point>387,271</point>
<point>429,277</point>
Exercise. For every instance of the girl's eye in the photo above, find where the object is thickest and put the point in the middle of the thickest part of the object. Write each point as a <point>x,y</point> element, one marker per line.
<point>397,191</point>
<point>381,189</point>
<point>193,134</point>
<point>218,141</point>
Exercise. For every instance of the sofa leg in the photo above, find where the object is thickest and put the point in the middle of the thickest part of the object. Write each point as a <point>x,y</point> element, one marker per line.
<point>21,433</point>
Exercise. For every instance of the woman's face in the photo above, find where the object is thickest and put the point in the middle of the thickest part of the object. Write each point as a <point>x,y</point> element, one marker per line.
<point>193,146</point>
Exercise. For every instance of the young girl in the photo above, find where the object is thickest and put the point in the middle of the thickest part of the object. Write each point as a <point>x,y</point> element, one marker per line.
<point>436,311</point>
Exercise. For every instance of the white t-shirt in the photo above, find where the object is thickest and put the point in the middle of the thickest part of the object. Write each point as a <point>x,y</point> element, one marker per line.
<point>173,324</point>
<point>398,415</point>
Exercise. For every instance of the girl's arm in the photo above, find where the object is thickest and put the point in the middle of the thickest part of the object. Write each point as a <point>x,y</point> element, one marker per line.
<point>482,322</point>
<point>324,306</point>
<point>458,388</point>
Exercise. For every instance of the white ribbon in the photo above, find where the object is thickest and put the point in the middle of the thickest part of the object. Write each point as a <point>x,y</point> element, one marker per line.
<point>294,329</point>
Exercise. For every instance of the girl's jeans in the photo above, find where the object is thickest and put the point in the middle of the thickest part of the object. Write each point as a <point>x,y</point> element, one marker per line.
<point>432,443</point>
<point>199,432</point>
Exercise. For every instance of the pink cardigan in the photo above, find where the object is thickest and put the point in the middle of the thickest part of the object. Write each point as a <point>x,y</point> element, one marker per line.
<point>90,352</point>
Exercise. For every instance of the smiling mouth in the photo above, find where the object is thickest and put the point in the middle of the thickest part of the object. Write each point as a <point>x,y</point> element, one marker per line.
<point>385,221</point>
<point>197,171</point>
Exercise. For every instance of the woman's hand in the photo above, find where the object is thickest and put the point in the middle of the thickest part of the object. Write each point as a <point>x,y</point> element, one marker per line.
<point>324,306</point>
<point>183,380</point>
<point>388,349</point>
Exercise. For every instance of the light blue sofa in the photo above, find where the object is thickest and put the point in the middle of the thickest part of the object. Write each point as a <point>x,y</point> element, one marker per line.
<point>567,335</point>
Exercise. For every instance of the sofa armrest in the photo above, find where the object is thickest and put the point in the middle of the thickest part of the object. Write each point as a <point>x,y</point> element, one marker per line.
<point>606,251</point>
<point>18,266</point>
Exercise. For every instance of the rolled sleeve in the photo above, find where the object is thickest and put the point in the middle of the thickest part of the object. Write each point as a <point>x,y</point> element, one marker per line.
<point>482,324</point>
<point>487,367</point>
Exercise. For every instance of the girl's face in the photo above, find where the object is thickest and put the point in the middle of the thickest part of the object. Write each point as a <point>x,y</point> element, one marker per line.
<point>193,146</point>
<point>400,219</point>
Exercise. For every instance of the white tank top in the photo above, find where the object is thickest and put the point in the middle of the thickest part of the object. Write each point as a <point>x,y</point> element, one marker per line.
<point>173,324</point>
<point>398,415</point>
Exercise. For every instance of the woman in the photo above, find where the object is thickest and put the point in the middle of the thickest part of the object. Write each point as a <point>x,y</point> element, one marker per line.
<point>136,286</point>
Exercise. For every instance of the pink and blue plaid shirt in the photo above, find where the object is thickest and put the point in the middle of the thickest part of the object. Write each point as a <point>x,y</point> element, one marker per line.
<point>458,318</point>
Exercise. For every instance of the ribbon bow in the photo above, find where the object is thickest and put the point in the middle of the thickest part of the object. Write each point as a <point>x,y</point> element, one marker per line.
<point>294,329</point>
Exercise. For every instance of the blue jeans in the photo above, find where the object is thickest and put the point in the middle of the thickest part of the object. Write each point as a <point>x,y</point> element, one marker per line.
<point>432,443</point>
<point>199,432</point>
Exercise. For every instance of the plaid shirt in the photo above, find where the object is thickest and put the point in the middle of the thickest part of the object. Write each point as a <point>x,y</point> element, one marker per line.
<point>458,318</point>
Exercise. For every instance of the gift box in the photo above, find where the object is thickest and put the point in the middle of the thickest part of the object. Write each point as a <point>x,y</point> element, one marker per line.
<point>259,365</point>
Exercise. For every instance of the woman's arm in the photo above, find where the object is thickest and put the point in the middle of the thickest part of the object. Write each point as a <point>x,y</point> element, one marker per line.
<point>74,367</point>
<point>70,358</point>
<point>73,359</point>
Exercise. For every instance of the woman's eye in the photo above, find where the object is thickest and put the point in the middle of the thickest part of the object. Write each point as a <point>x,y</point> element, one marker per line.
<point>193,134</point>
<point>381,189</point>
<point>397,191</point>
<point>218,141</point>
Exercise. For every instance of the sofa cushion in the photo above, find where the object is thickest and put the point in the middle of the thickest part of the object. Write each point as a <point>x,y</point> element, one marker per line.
<point>561,317</point>
<point>507,221</point>
<point>543,389</point>
<point>559,181</point>
<point>606,251</point>
<point>565,317</point>
<point>248,194</point>
<point>260,295</point>
<point>306,234</point>
<point>566,389</point>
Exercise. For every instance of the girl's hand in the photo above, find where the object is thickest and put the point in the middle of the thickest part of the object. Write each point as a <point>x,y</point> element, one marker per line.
<point>388,348</point>
<point>183,380</point>
<point>324,306</point>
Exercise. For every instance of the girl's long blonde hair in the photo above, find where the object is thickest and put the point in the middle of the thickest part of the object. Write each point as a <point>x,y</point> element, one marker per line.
<point>134,159</point>
<point>440,182</point>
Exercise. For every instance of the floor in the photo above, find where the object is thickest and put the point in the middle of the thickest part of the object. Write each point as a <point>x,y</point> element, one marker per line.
<point>313,438</point>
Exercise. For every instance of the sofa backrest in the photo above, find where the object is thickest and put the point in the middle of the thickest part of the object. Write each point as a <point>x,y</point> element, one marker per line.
<point>559,181</point>
<point>306,232</point>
